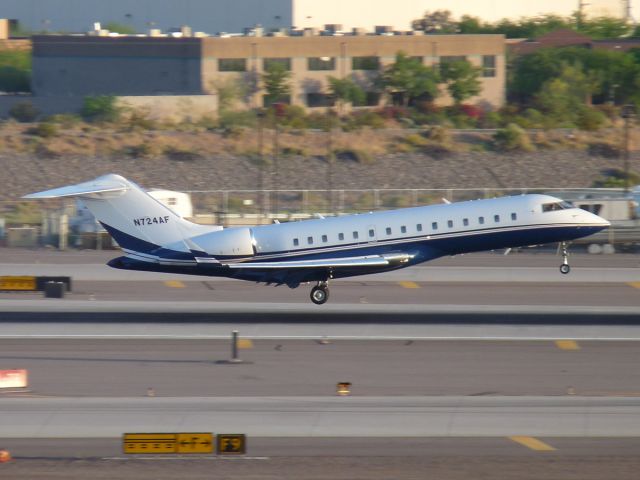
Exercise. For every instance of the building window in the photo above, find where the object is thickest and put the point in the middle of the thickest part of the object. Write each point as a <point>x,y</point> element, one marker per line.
<point>403,229</point>
<point>341,236</point>
<point>319,100</point>
<point>371,99</point>
<point>450,59</point>
<point>296,242</point>
<point>268,100</point>
<point>372,233</point>
<point>310,240</point>
<point>321,63</point>
<point>355,235</point>
<point>365,63</point>
<point>465,222</point>
<point>388,230</point>
<point>514,216</point>
<point>269,63</point>
<point>232,64</point>
<point>434,225</point>
<point>481,220</point>
<point>324,239</point>
<point>419,227</point>
<point>488,65</point>
<point>496,218</point>
<point>450,223</point>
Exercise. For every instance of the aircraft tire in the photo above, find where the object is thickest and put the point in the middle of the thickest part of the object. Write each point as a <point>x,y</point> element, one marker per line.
<point>319,295</point>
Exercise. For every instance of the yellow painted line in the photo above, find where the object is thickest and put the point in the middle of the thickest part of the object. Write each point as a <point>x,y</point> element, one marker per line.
<point>174,284</point>
<point>634,284</point>
<point>567,345</point>
<point>407,284</point>
<point>532,443</point>
<point>245,343</point>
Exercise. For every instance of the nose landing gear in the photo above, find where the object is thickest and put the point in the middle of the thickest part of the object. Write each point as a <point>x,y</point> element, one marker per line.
<point>320,293</point>
<point>565,267</point>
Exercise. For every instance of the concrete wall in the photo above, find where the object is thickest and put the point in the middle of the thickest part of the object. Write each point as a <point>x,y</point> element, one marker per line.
<point>83,65</point>
<point>343,49</point>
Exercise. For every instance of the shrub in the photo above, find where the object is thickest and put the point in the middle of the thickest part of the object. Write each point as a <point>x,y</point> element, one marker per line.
<point>590,119</point>
<point>101,108</point>
<point>365,118</point>
<point>24,112</point>
<point>439,134</point>
<point>233,119</point>
<point>354,155</point>
<point>490,120</point>
<point>603,149</point>
<point>44,130</point>
<point>142,150</point>
<point>181,154</point>
<point>140,119</point>
<point>512,138</point>
<point>65,120</point>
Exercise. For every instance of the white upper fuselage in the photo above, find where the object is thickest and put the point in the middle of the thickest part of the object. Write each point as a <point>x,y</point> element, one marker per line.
<point>420,223</point>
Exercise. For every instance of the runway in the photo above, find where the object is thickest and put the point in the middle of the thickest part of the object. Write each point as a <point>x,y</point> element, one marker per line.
<point>457,359</point>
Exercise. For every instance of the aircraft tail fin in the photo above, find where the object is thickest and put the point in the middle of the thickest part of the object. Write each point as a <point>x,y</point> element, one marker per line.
<point>138,222</point>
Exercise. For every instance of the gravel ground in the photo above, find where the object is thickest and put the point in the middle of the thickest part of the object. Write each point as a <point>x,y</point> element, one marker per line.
<point>23,174</point>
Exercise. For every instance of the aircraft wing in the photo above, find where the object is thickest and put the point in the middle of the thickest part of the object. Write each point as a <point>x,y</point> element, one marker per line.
<point>345,262</point>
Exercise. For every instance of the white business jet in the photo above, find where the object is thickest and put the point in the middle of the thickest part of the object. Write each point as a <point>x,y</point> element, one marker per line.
<point>154,238</point>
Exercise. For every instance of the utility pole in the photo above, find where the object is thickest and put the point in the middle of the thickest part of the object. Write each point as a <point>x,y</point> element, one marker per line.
<point>581,5</point>
<point>628,112</point>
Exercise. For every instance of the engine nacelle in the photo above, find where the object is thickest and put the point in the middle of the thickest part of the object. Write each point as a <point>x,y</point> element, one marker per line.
<point>227,242</point>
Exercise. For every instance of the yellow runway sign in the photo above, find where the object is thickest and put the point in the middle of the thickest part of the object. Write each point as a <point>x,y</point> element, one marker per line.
<point>159,443</point>
<point>18,283</point>
<point>232,444</point>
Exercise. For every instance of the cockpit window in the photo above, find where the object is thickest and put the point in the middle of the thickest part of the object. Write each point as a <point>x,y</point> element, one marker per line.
<point>552,207</point>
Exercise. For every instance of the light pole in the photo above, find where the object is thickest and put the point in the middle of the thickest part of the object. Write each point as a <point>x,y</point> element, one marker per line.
<point>261,200</point>
<point>628,112</point>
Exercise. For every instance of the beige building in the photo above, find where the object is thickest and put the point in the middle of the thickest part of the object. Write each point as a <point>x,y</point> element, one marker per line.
<point>131,65</point>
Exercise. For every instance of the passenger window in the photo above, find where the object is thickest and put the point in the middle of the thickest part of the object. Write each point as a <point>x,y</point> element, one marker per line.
<point>355,235</point>
<point>514,216</point>
<point>450,223</point>
<point>434,225</point>
<point>419,227</point>
<point>403,229</point>
<point>341,236</point>
<point>388,231</point>
<point>324,239</point>
<point>310,240</point>
<point>481,220</point>
<point>465,222</point>
<point>496,218</point>
<point>295,242</point>
<point>372,233</point>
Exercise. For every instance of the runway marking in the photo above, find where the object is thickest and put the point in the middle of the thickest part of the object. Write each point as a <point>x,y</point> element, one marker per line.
<point>174,284</point>
<point>245,343</point>
<point>634,284</point>
<point>567,345</point>
<point>532,443</point>
<point>408,284</point>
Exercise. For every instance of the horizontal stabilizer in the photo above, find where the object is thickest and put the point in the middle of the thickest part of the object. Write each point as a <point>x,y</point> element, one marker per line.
<point>106,184</point>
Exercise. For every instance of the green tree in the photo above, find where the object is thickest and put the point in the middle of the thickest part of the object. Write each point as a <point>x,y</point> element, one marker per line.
<point>15,71</point>
<point>410,79</point>
<point>101,108</point>
<point>345,90</point>
<point>439,21</point>
<point>276,83</point>
<point>120,28</point>
<point>462,80</point>
<point>605,27</point>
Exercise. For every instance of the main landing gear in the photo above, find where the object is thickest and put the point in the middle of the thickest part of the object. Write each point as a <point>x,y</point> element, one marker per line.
<point>564,268</point>
<point>320,293</point>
